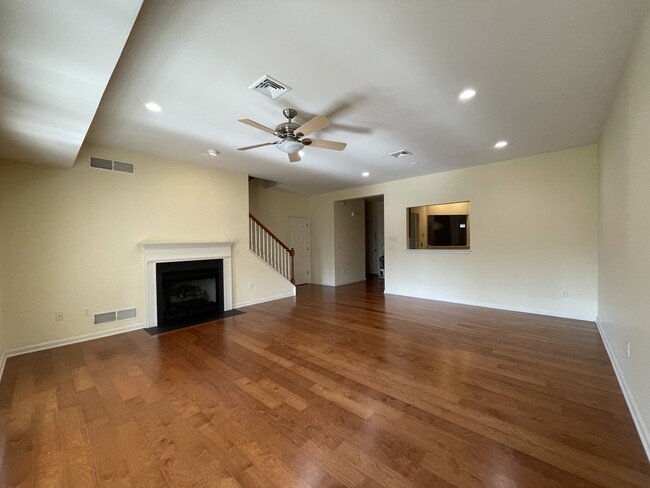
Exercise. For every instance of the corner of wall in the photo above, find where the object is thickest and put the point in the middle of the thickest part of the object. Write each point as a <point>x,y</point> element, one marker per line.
<point>635,411</point>
<point>624,233</point>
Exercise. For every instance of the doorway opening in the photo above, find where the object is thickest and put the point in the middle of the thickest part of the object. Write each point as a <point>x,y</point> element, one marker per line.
<point>374,220</point>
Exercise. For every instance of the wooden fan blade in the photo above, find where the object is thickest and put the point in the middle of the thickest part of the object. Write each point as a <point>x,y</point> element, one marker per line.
<point>246,148</point>
<point>294,157</point>
<point>317,123</point>
<point>252,123</point>
<point>336,146</point>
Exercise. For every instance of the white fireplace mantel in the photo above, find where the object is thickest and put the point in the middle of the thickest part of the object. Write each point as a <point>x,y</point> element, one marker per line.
<point>170,251</point>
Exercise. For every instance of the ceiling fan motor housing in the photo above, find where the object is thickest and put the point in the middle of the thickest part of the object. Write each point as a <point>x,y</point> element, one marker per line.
<point>286,129</point>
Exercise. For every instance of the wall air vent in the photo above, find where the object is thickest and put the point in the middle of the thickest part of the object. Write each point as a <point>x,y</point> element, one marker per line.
<point>104,318</point>
<point>270,87</point>
<point>111,165</point>
<point>123,167</point>
<point>100,163</point>
<point>126,314</point>
<point>401,153</point>
<point>115,316</point>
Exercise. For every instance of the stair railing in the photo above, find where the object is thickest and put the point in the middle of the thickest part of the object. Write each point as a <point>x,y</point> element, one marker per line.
<point>270,249</point>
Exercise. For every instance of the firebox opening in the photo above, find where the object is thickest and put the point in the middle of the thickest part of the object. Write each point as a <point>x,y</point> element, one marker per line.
<point>189,292</point>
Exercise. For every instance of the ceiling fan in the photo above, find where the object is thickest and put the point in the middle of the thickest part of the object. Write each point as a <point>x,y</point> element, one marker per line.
<point>292,135</point>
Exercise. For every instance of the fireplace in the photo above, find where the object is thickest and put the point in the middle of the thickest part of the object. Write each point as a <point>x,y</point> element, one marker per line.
<point>206,285</point>
<point>189,292</point>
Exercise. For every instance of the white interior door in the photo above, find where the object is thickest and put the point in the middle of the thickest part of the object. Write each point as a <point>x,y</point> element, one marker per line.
<point>299,241</point>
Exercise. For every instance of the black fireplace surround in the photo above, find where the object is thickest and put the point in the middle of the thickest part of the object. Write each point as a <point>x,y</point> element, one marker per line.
<point>189,292</point>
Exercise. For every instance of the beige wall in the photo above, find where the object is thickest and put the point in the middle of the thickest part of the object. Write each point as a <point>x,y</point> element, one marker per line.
<point>70,239</point>
<point>534,235</point>
<point>624,241</point>
<point>350,241</point>
<point>273,207</point>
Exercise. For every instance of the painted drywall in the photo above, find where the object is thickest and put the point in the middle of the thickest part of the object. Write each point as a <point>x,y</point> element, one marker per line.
<point>533,236</point>
<point>273,207</point>
<point>350,241</point>
<point>624,237</point>
<point>70,239</point>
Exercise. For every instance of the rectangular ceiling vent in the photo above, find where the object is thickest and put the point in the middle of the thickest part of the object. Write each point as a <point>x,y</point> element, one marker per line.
<point>401,153</point>
<point>270,87</point>
<point>110,165</point>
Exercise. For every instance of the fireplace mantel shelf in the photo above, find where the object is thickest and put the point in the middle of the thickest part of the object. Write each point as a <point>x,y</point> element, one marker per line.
<point>170,251</point>
<point>183,244</point>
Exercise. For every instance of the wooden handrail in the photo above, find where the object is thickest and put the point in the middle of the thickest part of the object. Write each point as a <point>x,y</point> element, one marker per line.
<point>291,252</point>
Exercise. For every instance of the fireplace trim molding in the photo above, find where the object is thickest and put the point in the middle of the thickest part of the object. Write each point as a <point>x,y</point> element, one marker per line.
<point>167,252</point>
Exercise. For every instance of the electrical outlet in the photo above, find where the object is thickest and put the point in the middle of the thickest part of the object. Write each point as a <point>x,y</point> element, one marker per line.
<point>87,312</point>
<point>58,316</point>
<point>565,293</point>
<point>627,349</point>
<point>250,285</point>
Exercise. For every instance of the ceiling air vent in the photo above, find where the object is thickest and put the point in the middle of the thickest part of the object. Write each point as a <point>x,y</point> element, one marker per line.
<point>111,165</point>
<point>401,153</point>
<point>270,87</point>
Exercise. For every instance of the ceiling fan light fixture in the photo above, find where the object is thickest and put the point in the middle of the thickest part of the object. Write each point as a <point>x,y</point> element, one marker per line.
<point>289,145</point>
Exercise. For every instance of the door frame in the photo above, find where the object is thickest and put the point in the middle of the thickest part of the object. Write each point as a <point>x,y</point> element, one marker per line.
<point>307,240</point>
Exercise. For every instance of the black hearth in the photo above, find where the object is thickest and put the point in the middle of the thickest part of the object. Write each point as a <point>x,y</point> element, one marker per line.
<point>189,292</point>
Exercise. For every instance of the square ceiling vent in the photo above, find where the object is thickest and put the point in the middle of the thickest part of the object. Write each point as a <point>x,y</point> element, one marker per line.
<point>401,153</point>
<point>270,87</point>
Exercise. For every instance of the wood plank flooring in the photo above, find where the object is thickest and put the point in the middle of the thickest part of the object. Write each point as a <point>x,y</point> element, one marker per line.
<point>339,387</point>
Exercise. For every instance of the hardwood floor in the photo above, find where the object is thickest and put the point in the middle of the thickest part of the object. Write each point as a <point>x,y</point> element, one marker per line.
<point>341,387</point>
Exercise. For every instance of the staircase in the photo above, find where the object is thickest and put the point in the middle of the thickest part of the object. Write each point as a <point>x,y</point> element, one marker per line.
<point>270,249</point>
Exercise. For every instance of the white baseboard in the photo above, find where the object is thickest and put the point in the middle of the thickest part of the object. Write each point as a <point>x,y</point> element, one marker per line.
<point>536,311</point>
<point>349,281</point>
<point>110,332</point>
<point>64,342</point>
<point>265,299</point>
<point>640,425</point>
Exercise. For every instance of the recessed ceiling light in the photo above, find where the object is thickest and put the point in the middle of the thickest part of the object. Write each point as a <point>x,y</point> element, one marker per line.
<point>365,174</point>
<point>213,152</point>
<point>501,144</point>
<point>153,106</point>
<point>467,94</point>
<point>415,163</point>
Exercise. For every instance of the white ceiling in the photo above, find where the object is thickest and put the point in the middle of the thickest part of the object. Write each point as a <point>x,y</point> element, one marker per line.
<point>56,59</point>
<point>386,72</point>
